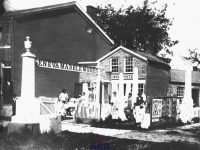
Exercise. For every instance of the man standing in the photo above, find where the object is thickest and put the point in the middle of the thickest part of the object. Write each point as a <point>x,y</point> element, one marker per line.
<point>128,110</point>
<point>139,109</point>
<point>62,99</point>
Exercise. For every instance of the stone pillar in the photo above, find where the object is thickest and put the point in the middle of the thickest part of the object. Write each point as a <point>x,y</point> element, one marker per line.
<point>186,107</point>
<point>28,73</point>
<point>135,84</point>
<point>27,107</point>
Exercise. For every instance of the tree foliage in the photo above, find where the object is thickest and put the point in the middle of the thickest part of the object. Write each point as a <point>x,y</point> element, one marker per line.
<point>141,29</point>
<point>2,10</point>
<point>194,57</point>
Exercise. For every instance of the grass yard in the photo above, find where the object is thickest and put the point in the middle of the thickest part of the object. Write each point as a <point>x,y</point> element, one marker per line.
<point>74,141</point>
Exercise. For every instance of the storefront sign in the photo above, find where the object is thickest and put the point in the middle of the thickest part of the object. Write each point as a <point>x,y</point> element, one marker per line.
<point>114,77</point>
<point>156,109</point>
<point>64,66</point>
<point>128,76</point>
<point>125,76</point>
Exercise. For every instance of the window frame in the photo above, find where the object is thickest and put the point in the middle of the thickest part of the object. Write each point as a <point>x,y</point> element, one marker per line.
<point>125,65</point>
<point>180,93</point>
<point>111,65</point>
<point>139,88</point>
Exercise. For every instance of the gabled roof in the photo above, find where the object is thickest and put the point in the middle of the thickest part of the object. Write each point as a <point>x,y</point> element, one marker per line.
<point>143,56</point>
<point>152,58</point>
<point>123,49</point>
<point>179,76</point>
<point>72,4</point>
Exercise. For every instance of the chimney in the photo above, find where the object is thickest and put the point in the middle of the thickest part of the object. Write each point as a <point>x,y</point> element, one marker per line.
<point>92,11</point>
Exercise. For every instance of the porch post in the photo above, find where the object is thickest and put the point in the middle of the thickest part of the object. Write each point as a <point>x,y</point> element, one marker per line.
<point>135,84</point>
<point>121,88</point>
<point>103,94</point>
<point>98,86</point>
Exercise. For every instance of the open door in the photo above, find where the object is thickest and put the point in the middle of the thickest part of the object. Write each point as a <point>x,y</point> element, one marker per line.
<point>6,84</point>
<point>195,97</point>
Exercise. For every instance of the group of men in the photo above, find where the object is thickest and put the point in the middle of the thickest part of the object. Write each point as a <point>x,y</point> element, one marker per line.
<point>130,110</point>
<point>64,107</point>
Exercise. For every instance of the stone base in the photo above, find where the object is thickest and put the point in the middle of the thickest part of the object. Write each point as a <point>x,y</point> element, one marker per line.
<point>49,123</point>
<point>6,110</point>
<point>20,128</point>
<point>55,124</point>
<point>46,123</point>
<point>25,119</point>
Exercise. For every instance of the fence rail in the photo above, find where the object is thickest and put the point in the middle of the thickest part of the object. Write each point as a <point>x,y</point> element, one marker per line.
<point>48,105</point>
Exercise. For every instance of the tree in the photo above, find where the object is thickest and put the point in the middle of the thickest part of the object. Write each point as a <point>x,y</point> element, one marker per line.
<point>141,29</point>
<point>194,57</point>
<point>2,10</point>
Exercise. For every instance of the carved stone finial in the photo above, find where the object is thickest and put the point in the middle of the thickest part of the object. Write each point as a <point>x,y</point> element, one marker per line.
<point>27,44</point>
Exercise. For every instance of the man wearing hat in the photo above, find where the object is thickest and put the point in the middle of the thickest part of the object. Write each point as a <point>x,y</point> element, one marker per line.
<point>139,108</point>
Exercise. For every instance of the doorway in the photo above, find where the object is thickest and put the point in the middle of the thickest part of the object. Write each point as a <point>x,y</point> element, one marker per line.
<point>195,97</point>
<point>6,87</point>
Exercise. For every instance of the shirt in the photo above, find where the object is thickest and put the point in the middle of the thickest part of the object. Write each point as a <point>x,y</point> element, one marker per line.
<point>63,97</point>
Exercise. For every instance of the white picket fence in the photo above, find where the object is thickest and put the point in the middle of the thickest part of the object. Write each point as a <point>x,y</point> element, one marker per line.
<point>48,105</point>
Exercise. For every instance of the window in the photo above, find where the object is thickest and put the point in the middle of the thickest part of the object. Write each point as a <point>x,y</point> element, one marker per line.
<point>143,71</point>
<point>140,88</point>
<point>180,91</point>
<point>115,65</point>
<point>5,35</point>
<point>6,85</point>
<point>129,64</point>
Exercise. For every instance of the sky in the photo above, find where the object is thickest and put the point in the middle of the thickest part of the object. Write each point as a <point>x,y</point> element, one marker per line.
<point>185,14</point>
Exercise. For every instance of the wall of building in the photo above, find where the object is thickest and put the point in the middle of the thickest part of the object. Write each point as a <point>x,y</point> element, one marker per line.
<point>140,64</point>
<point>173,91</point>
<point>87,77</point>
<point>59,35</point>
<point>157,81</point>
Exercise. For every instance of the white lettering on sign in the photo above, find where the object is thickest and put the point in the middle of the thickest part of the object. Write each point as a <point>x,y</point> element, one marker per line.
<point>114,77</point>
<point>64,66</point>
<point>128,76</point>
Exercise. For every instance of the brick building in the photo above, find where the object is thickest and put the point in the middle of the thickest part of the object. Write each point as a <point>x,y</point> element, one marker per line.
<point>153,74</point>
<point>60,33</point>
<point>177,85</point>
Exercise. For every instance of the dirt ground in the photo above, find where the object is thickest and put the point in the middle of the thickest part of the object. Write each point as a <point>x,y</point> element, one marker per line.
<point>85,141</point>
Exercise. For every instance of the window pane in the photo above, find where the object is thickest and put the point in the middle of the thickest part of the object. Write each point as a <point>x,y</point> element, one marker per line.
<point>141,88</point>
<point>115,65</point>
<point>180,91</point>
<point>129,64</point>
